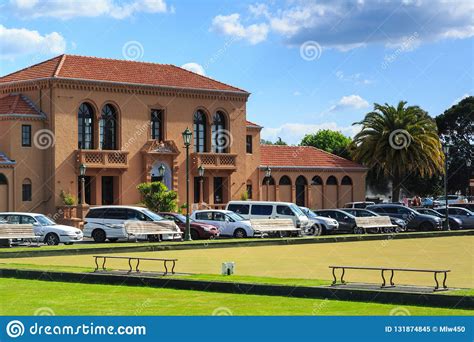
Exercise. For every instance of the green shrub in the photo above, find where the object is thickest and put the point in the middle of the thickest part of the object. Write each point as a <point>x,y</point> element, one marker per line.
<point>67,198</point>
<point>157,197</point>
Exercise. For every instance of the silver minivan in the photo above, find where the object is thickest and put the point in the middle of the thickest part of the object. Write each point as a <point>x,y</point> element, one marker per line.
<point>269,210</point>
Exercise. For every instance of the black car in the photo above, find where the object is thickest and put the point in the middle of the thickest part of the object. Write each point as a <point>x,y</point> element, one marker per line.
<point>415,220</point>
<point>468,206</point>
<point>346,221</point>
<point>454,222</point>
<point>357,212</point>
<point>466,216</point>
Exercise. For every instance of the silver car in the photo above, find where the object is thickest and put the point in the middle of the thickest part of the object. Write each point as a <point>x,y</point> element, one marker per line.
<point>319,225</point>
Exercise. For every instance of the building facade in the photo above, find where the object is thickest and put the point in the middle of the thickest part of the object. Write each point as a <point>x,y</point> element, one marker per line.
<point>124,120</point>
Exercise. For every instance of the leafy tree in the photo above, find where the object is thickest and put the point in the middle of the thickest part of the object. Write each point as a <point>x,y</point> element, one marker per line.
<point>157,197</point>
<point>456,128</point>
<point>398,142</point>
<point>269,142</point>
<point>330,141</point>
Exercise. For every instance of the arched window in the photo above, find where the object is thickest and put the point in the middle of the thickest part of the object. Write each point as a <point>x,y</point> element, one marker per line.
<point>271,182</point>
<point>346,180</point>
<point>108,128</point>
<point>331,180</point>
<point>26,190</point>
<point>3,179</point>
<point>85,127</point>
<point>316,181</point>
<point>199,131</point>
<point>301,191</point>
<point>220,136</point>
<point>285,180</point>
<point>156,124</point>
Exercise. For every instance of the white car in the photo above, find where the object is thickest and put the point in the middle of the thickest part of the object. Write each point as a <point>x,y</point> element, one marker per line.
<point>452,199</point>
<point>46,229</point>
<point>361,205</point>
<point>228,222</point>
<point>319,224</point>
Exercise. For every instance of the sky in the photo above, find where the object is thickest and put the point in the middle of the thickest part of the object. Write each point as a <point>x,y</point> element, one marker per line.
<point>308,64</point>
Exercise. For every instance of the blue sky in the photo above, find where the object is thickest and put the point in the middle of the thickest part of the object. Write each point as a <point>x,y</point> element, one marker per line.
<point>308,64</point>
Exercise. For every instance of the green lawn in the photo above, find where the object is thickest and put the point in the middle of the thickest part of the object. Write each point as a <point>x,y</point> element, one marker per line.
<point>25,297</point>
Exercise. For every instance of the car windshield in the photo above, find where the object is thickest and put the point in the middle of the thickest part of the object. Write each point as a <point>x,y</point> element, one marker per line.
<point>310,213</point>
<point>432,213</point>
<point>152,215</point>
<point>182,218</point>
<point>297,210</point>
<point>44,220</point>
<point>235,217</point>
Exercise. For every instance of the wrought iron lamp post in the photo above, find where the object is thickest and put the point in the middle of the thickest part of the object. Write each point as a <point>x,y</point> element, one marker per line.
<point>268,175</point>
<point>82,173</point>
<point>161,172</point>
<point>201,181</point>
<point>187,135</point>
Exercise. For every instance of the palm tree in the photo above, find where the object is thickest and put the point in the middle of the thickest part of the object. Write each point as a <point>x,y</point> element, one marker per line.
<point>398,141</point>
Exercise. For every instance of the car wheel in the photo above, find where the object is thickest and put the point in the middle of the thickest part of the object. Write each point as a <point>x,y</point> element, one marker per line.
<point>99,235</point>
<point>113,239</point>
<point>317,230</point>
<point>387,230</point>
<point>454,226</point>
<point>154,238</point>
<point>426,226</point>
<point>51,239</point>
<point>240,233</point>
<point>358,230</point>
<point>194,234</point>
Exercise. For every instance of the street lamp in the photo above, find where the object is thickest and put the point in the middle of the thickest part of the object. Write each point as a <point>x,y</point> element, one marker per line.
<point>187,135</point>
<point>201,181</point>
<point>268,175</point>
<point>161,172</point>
<point>82,173</point>
<point>446,152</point>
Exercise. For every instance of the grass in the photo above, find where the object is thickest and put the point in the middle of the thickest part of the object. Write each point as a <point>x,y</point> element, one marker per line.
<point>25,297</point>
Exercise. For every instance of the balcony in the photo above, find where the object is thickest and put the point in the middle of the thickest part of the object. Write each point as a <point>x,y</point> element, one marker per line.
<point>215,161</point>
<point>95,159</point>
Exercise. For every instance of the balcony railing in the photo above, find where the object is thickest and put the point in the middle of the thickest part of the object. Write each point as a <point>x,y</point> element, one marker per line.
<point>103,159</point>
<point>219,161</point>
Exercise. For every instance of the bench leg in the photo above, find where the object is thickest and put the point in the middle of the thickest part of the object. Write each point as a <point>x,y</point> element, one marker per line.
<point>103,264</point>
<point>96,265</point>
<point>444,280</point>
<point>138,264</point>
<point>391,278</point>
<point>335,278</point>
<point>129,265</point>
<point>166,267</point>
<point>172,269</point>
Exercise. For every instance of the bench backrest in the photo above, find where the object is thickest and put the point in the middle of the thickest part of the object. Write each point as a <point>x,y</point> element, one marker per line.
<point>374,221</point>
<point>16,231</point>
<point>268,224</point>
<point>150,227</point>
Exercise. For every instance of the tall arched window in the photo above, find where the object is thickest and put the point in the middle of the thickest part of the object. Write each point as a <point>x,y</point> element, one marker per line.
<point>156,124</point>
<point>220,136</point>
<point>108,128</point>
<point>85,127</point>
<point>301,184</point>
<point>199,131</point>
<point>26,190</point>
<point>346,180</point>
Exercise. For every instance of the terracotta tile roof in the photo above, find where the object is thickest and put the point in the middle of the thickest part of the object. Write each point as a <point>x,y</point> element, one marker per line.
<point>17,104</point>
<point>4,160</point>
<point>302,156</point>
<point>252,124</point>
<point>120,71</point>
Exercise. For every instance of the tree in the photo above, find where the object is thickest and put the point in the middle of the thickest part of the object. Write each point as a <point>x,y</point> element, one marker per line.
<point>456,128</point>
<point>330,141</point>
<point>157,197</point>
<point>398,142</point>
<point>269,142</point>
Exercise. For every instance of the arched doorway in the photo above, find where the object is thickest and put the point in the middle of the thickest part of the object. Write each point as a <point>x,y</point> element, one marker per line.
<point>167,178</point>
<point>317,193</point>
<point>301,184</point>
<point>346,190</point>
<point>3,193</point>
<point>330,194</point>
<point>284,188</point>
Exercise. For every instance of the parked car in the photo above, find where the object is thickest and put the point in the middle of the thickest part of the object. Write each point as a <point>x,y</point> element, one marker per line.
<point>108,222</point>
<point>319,225</point>
<point>357,212</point>
<point>468,206</point>
<point>228,222</point>
<point>429,202</point>
<point>358,204</point>
<point>46,229</point>
<point>269,210</point>
<point>454,222</point>
<point>346,221</point>
<point>452,199</point>
<point>415,220</point>
<point>198,230</point>
<point>465,215</point>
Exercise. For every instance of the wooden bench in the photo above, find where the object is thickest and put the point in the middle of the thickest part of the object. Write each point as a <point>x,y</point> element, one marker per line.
<point>375,224</point>
<point>17,231</point>
<point>265,226</point>
<point>152,229</point>
<point>392,274</point>
<point>130,259</point>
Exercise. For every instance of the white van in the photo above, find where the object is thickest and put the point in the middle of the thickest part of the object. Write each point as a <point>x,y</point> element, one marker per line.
<point>269,210</point>
<point>108,222</point>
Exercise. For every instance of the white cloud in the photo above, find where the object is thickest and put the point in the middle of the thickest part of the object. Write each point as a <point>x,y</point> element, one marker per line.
<point>292,133</point>
<point>194,67</point>
<point>350,101</point>
<point>356,78</point>
<point>18,42</point>
<point>67,9</point>
<point>231,25</point>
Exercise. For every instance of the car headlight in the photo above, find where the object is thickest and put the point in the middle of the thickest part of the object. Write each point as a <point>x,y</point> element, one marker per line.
<point>207,229</point>
<point>400,222</point>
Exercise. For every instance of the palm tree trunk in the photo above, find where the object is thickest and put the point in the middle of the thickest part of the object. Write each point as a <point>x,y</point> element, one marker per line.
<point>396,188</point>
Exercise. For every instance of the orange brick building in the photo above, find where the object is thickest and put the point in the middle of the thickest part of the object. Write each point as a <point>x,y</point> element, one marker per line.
<point>124,121</point>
